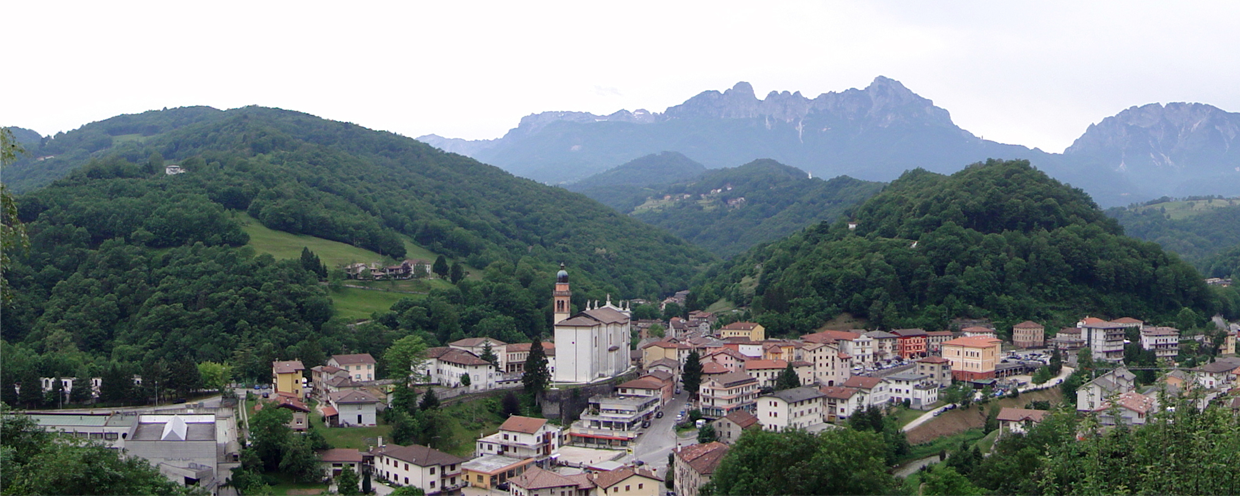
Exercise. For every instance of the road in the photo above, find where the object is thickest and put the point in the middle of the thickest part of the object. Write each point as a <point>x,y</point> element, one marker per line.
<point>925,417</point>
<point>660,439</point>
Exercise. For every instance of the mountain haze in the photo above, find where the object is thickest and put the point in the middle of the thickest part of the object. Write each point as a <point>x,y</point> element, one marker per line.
<point>875,133</point>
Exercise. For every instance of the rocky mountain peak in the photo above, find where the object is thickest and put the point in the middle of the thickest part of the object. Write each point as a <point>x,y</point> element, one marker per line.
<point>1159,132</point>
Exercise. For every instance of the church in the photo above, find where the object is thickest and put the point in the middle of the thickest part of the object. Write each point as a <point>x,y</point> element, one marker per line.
<point>591,345</point>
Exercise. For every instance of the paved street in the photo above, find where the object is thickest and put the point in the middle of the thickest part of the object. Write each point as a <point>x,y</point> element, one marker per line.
<point>654,445</point>
<point>1063,374</point>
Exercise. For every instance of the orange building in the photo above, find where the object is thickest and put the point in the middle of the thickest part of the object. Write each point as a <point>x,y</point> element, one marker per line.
<point>911,343</point>
<point>973,358</point>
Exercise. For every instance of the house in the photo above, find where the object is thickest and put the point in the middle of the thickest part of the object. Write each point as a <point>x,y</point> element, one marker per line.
<point>628,480</point>
<point>731,359</point>
<point>973,358</point>
<point>1164,341</point>
<point>920,390</point>
<point>488,471</point>
<point>1133,409</point>
<point>1091,395</point>
<point>796,408</point>
<point>1028,334</point>
<point>853,343</point>
<point>884,344</point>
<point>671,367</point>
<point>478,347</point>
<point>840,402</point>
<point>1218,374</point>
<point>301,412</point>
<point>873,390</point>
<point>938,368</point>
<point>286,377</point>
<point>935,340</point>
<point>428,469</point>
<point>752,330</point>
<point>765,371</point>
<point>334,461</point>
<point>610,421</point>
<point>319,375</point>
<point>538,482</point>
<point>729,427</point>
<point>663,349</point>
<point>1105,340</point>
<point>831,366</point>
<point>1019,420</point>
<point>648,386</point>
<point>978,332</point>
<point>449,366</point>
<point>516,354</point>
<point>1177,379</point>
<point>721,394</point>
<point>910,343</point>
<point>693,466</point>
<point>353,408</point>
<point>359,366</point>
<point>1068,340</point>
<point>521,437</point>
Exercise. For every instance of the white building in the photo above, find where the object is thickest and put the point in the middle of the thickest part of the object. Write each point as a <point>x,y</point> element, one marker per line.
<point>521,437</point>
<point>873,390</point>
<point>1104,339</point>
<point>447,366</point>
<point>428,469</point>
<point>478,347</point>
<point>354,408</point>
<point>1164,341</point>
<point>796,408</point>
<point>920,390</point>
<point>1093,394</point>
<point>591,346</point>
<point>359,366</point>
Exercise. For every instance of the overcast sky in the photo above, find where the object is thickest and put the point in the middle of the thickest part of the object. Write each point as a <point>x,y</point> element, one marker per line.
<point>1030,73</point>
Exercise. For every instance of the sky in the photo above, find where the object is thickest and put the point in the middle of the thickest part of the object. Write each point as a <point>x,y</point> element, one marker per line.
<point>1022,72</point>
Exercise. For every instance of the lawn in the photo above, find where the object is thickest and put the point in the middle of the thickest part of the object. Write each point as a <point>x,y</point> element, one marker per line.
<point>358,304</point>
<point>1178,210</point>
<point>947,443</point>
<point>906,415</point>
<point>421,286</point>
<point>721,306</point>
<point>285,245</point>
<point>287,486</point>
<point>350,437</point>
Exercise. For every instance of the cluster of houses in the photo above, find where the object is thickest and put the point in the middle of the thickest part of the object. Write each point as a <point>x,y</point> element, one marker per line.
<point>407,269</point>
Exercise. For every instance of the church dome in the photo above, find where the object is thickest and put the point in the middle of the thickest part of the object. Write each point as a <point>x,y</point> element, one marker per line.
<point>562,275</point>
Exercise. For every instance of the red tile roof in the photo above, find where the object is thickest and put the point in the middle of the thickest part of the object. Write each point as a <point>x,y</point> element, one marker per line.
<point>741,418</point>
<point>973,342</point>
<point>610,478</point>
<point>933,359</point>
<point>703,458</point>
<point>287,367</point>
<point>863,382</point>
<point>1022,414</point>
<point>524,425</point>
<point>341,455</point>
<point>354,359</point>
<point>765,364</point>
<point>421,456</point>
<point>709,368</point>
<point>1028,324</point>
<point>740,326</point>
<point>838,392</point>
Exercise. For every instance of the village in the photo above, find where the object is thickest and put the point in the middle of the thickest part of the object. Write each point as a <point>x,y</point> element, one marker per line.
<point>669,407</point>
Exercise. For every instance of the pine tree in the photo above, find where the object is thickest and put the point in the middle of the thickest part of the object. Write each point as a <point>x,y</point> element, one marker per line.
<point>117,385</point>
<point>510,405</point>
<point>429,400</point>
<point>488,354</point>
<point>441,267</point>
<point>346,482</point>
<point>536,377</point>
<point>457,272</point>
<point>787,379</point>
<point>691,376</point>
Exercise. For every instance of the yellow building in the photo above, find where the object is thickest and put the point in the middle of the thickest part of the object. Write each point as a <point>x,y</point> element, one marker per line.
<point>287,378</point>
<point>668,348</point>
<point>973,358</point>
<point>752,330</point>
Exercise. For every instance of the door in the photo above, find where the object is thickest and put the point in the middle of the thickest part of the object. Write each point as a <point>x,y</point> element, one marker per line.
<point>359,419</point>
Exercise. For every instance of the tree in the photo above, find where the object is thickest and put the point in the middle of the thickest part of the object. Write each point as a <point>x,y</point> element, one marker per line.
<point>336,277</point>
<point>707,434</point>
<point>215,376</point>
<point>441,267</point>
<point>403,355</point>
<point>536,377</point>
<point>992,419</point>
<point>657,331</point>
<point>270,435</point>
<point>13,238</point>
<point>404,427</point>
<point>943,480</point>
<point>347,482</point>
<point>366,486</point>
<point>81,391</point>
<point>787,379</point>
<point>457,272</point>
<point>838,461</point>
<point>429,400</point>
<point>311,263</point>
<point>672,310</point>
<point>488,354</point>
<point>1042,375</point>
<point>117,385</point>
<point>1056,362</point>
<point>299,460</point>
<point>419,271</point>
<point>691,375</point>
<point>56,395</point>
<point>407,491</point>
<point>510,405</point>
<point>465,379</point>
<point>183,377</point>
<point>31,394</point>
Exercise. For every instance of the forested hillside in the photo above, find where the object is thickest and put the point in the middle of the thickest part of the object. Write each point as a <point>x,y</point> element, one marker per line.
<point>999,240</point>
<point>1196,229</point>
<point>730,210</point>
<point>627,185</point>
<point>130,265</point>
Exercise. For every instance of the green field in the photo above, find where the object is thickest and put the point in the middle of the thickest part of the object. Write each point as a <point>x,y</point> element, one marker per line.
<point>284,245</point>
<point>1177,210</point>
<point>358,304</point>
<point>359,438</point>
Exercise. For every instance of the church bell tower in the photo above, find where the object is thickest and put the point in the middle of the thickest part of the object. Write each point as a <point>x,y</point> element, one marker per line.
<point>563,305</point>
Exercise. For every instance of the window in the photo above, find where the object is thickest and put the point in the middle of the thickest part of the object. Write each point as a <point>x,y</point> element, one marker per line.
<point>432,483</point>
<point>110,436</point>
<point>626,487</point>
<point>432,470</point>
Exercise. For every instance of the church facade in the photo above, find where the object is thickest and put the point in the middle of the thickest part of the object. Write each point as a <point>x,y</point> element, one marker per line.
<point>590,345</point>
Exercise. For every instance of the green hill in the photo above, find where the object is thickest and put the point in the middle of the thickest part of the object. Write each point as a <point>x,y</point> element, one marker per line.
<point>1196,229</point>
<point>131,264</point>
<point>999,240</point>
<point>626,186</point>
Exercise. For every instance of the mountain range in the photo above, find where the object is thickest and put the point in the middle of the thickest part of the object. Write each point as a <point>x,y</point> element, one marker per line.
<point>876,134</point>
